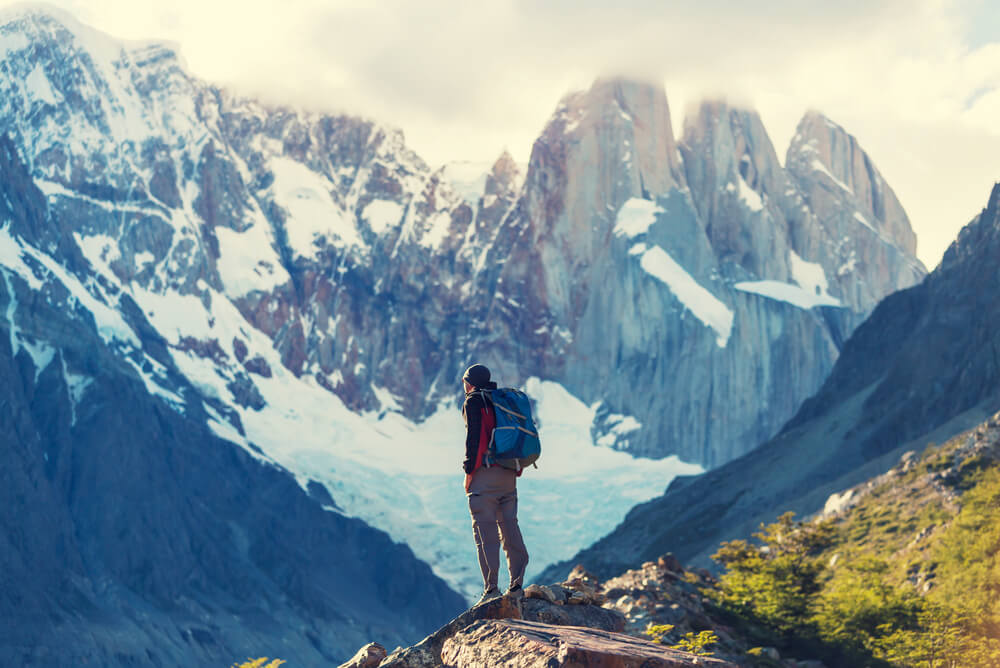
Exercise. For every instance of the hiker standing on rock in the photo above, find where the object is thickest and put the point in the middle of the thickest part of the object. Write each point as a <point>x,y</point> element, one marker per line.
<point>491,489</point>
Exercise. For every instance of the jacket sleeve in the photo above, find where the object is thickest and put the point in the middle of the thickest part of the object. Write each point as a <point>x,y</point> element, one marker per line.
<point>473,425</point>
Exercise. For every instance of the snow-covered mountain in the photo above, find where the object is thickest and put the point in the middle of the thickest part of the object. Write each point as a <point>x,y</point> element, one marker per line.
<point>313,290</point>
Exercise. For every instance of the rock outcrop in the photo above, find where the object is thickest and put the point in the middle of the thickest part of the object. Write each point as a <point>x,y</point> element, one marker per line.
<point>523,644</point>
<point>554,625</point>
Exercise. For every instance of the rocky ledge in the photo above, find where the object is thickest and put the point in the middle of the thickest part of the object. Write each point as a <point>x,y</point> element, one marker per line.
<point>551,625</point>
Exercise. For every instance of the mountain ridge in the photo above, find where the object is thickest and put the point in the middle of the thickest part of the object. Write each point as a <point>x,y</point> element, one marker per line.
<point>921,368</point>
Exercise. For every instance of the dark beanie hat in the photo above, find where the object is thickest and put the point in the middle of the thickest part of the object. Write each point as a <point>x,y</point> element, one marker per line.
<point>477,375</point>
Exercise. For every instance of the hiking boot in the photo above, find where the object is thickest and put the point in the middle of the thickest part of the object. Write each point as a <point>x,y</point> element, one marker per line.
<point>489,595</point>
<point>515,590</point>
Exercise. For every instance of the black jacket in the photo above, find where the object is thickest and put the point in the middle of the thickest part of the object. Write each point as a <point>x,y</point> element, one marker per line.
<point>472,411</point>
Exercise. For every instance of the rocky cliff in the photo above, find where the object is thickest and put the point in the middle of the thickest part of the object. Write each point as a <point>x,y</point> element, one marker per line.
<point>696,285</point>
<point>922,368</point>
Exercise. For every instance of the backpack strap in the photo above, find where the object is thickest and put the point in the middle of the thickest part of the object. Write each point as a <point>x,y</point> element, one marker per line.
<point>488,401</point>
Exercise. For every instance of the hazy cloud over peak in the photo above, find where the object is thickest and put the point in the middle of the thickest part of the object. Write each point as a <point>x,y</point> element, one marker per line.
<point>917,81</point>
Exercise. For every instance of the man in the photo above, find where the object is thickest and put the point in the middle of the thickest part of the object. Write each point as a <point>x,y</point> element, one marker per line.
<point>492,490</point>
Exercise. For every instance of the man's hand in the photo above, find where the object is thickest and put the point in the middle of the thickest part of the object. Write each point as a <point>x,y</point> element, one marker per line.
<point>468,481</point>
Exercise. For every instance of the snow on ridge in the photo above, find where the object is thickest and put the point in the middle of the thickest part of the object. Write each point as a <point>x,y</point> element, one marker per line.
<point>40,89</point>
<point>750,197</point>
<point>818,166</point>
<point>110,324</point>
<point>810,291</point>
<point>635,216</point>
<point>809,275</point>
<point>788,293</point>
<point>705,306</point>
<point>382,215</point>
<point>12,42</point>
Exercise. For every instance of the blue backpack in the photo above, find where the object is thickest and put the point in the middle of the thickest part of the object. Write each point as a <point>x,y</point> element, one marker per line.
<point>514,443</point>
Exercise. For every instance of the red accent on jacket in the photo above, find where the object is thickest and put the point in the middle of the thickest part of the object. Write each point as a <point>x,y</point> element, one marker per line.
<point>487,423</point>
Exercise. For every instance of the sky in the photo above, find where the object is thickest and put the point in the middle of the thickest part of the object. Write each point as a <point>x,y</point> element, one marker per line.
<point>916,81</point>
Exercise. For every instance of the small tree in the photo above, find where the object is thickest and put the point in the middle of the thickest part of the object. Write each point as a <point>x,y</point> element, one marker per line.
<point>259,663</point>
<point>774,581</point>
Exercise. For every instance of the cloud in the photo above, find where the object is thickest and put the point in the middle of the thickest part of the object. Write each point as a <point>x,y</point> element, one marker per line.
<point>916,81</point>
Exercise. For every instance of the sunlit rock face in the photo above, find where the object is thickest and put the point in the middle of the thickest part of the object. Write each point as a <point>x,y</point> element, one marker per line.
<point>693,284</point>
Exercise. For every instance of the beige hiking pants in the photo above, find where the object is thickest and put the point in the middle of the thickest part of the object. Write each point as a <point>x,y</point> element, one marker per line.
<point>493,506</point>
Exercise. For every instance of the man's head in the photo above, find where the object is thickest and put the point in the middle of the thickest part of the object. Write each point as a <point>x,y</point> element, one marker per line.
<point>476,376</point>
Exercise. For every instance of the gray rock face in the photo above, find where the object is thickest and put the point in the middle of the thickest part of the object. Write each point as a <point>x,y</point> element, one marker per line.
<point>850,200</point>
<point>921,369</point>
<point>729,296</point>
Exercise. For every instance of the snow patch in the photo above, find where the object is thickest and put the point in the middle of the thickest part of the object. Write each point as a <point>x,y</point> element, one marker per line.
<point>386,399</point>
<point>312,213</point>
<point>39,88</point>
<point>820,167</point>
<point>810,292</point>
<point>41,354</point>
<point>76,385</point>
<point>864,221</point>
<point>848,265</point>
<point>99,249</point>
<point>154,388</point>
<point>437,229</point>
<point>11,257</point>
<point>248,261</point>
<point>788,293</point>
<point>110,324</point>
<point>635,216</point>
<point>623,424</point>
<point>751,198</point>
<point>143,258</point>
<point>703,304</point>
<point>809,275</point>
<point>382,214</point>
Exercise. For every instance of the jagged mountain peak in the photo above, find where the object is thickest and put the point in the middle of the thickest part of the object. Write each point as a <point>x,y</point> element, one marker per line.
<point>979,234</point>
<point>824,154</point>
<point>618,136</point>
<point>505,170</point>
<point>728,148</point>
<point>45,28</point>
